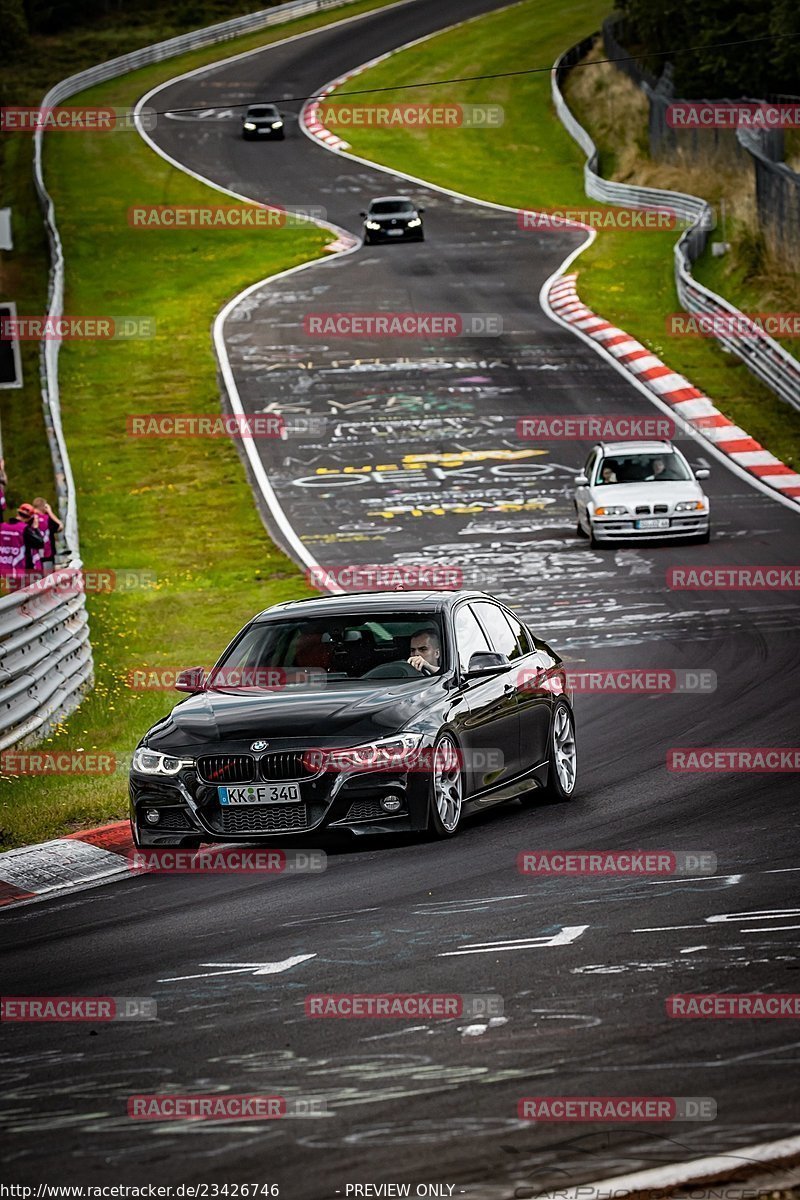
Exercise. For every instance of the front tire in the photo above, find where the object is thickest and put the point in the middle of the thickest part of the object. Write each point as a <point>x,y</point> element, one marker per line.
<point>562,768</point>
<point>446,789</point>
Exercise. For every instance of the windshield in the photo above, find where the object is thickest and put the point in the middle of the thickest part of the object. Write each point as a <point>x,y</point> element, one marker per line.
<point>263,110</point>
<point>642,468</point>
<point>336,649</point>
<point>382,207</point>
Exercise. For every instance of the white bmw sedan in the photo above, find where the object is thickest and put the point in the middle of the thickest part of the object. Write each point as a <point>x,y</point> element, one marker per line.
<point>636,491</point>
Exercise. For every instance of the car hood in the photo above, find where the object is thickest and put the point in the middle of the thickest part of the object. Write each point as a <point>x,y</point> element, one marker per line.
<point>337,715</point>
<point>387,218</point>
<point>631,494</point>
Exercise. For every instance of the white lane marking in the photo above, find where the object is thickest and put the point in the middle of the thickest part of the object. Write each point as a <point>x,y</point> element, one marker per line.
<point>262,968</point>
<point>763,914</point>
<point>693,949</point>
<point>567,935</point>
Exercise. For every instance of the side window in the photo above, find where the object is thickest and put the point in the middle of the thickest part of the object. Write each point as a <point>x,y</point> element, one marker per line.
<point>500,634</point>
<point>523,641</point>
<point>469,636</point>
<point>588,466</point>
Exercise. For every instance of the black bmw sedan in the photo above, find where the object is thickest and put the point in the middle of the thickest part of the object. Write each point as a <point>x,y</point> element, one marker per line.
<point>393,218</point>
<point>262,121</point>
<point>367,712</point>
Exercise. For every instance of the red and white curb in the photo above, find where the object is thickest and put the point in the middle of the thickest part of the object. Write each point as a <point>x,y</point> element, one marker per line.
<point>64,864</point>
<point>311,119</point>
<point>691,405</point>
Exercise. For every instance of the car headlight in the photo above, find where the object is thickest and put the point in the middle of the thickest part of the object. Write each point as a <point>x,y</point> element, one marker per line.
<point>249,124</point>
<point>277,124</point>
<point>690,506</point>
<point>613,510</point>
<point>372,224</point>
<point>152,762</point>
<point>414,222</point>
<point>396,753</point>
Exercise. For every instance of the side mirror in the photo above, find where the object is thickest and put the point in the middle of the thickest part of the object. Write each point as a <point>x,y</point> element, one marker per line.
<point>486,662</point>
<point>702,473</point>
<point>420,211</point>
<point>192,680</point>
<point>362,214</point>
<point>581,480</point>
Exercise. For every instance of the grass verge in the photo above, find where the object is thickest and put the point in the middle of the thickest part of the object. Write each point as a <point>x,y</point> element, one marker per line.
<point>181,510</point>
<point>530,161</point>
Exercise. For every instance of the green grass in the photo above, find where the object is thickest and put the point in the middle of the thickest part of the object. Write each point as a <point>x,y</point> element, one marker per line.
<point>181,509</point>
<point>530,161</point>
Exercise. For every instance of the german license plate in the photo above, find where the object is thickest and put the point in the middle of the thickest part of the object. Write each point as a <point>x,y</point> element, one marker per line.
<point>654,523</point>
<point>396,233</point>
<point>261,793</point>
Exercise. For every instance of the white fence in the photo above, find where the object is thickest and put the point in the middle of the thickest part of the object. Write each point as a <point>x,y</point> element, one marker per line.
<point>45,652</point>
<point>763,356</point>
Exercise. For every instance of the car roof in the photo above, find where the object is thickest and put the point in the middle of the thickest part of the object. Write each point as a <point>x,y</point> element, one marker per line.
<point>262,104</point>
<point>356,603</point>
<point>375,199</point>
<point>652,447</point>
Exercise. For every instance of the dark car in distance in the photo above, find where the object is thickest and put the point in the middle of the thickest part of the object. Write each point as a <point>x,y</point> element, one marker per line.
<point>262,121</point>
<point>370,712</point>
<point>393,218</point>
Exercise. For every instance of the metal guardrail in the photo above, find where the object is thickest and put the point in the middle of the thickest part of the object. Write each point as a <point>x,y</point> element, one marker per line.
<point>45,653</point>
<point>762,355</point>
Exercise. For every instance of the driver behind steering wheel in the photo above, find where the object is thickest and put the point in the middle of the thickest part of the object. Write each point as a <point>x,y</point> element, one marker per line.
<point>426,651</point>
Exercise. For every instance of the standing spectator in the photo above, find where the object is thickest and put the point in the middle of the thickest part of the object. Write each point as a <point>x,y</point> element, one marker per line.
<point>3,486</point>
<point>48,525</point>
<point>20,546</point>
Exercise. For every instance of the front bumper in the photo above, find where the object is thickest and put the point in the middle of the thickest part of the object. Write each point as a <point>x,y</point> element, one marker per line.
<point>394,235</point>
<point>618,529</point>
<point>189,808</point>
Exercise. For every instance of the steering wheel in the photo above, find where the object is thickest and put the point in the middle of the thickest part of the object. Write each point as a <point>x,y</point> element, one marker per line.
<point>394,670</point>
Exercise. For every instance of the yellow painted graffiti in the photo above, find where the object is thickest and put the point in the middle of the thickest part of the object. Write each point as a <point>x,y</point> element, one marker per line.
<point>441,510</point>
